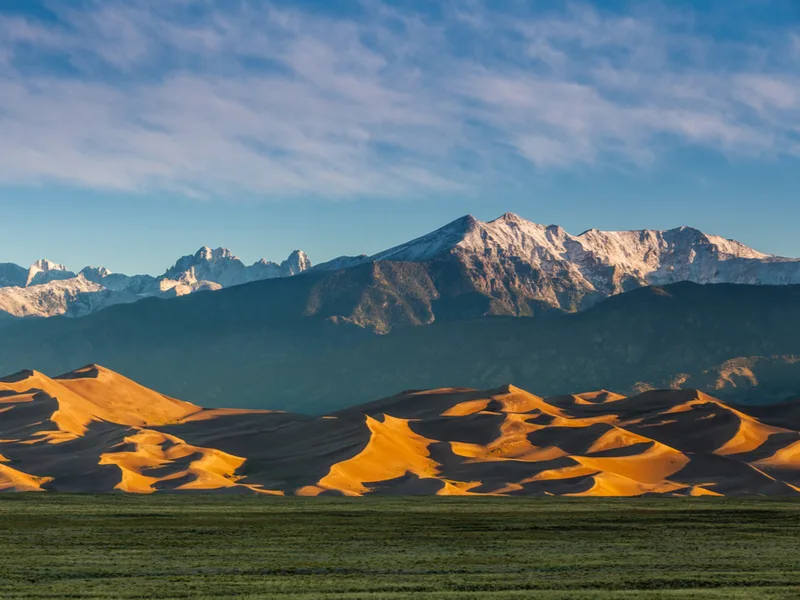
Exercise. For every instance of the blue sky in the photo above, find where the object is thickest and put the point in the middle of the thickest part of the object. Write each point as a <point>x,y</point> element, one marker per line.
<point>134,131</point>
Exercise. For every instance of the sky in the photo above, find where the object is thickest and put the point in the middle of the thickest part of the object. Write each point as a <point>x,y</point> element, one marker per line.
<point>135,131</point>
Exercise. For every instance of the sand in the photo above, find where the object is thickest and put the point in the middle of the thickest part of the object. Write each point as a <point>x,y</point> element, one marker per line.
<point>94,430</point>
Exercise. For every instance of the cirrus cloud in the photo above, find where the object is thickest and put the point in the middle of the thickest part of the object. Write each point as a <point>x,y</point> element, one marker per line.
<point>210,99</point>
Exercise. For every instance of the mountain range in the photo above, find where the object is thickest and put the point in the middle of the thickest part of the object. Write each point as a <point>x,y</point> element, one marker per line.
<point>509,266</point>
<point>48,289</point>
<point>474,304</point>
<point>93,430</point>
<point>737,342</point>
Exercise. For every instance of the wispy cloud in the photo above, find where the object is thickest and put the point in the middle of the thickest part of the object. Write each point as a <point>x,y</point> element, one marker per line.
<point>253,97</point>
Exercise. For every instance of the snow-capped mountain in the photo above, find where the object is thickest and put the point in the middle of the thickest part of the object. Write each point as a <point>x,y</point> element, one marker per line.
<point>509,266</point>
<point>525,267</point>
<point>45,271</point>
<point>224,269</point>
<point>48,289</point>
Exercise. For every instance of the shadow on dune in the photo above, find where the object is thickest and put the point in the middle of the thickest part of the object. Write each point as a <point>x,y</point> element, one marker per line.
<point>96,431</point>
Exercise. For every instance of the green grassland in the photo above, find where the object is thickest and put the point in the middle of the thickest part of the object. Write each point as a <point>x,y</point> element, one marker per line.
<point>58,546</point>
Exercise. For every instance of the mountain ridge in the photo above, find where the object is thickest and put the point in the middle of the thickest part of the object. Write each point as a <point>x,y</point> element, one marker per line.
<point>49,289</point>
<point>524,269</point>
<point>459,230</point>
<point>507,266</point>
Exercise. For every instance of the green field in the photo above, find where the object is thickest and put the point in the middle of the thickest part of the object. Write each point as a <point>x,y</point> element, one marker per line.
<point>55,546</point>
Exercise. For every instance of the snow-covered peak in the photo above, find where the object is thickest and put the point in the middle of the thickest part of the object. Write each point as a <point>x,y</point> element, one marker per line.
<point>673,240</point>
<point>44,271</point>
<point>545,262</point>
<point>47,288</point>
<point>297,262</point>
<point>433,244</point>
<point>73,296</point>
<point>511,235</point>
<point>205,265</point>
<point>508,234</point>
<point>222,268</point>
<point>736,249</point>
<point>47,265</point>
<point>509,218</point>
<point>206,254</point>
<point>519,261</point>
<point>96,274</point>
<point>656,254</point>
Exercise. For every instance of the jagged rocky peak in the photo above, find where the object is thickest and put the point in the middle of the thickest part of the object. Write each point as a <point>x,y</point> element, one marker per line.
<point>203,259</point>
<point>297,262</point>
<point>47,265</point>
<point>44,271</point>
<point>95,274</point>
<point>48,289</point>
<point>220,266</point>
<point>217,254</point>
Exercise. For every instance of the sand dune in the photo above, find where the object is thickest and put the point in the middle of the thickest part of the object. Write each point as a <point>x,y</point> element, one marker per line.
<point>93,430</point>
<point>119,400</point>
<point>17,481</point>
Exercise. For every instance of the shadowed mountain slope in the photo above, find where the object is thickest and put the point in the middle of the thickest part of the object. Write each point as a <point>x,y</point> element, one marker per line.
<point>284,344</point>
<point>93,430</point>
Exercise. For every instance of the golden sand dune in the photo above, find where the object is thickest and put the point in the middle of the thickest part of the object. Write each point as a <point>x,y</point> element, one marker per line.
<point>119,400</point>
<point>95,394</point>
<point>16,481</point>
<point>95,431</point>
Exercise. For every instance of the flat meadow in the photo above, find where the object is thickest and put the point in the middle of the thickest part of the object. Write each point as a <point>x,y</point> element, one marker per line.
<point>205,546</point>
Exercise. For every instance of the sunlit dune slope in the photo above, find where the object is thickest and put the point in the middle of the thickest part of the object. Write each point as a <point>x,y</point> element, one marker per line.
<point>120,400</point>
<point>93,430</point>
<point>90,431</point>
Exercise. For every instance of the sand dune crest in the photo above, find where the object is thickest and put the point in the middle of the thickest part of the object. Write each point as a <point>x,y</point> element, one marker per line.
<point>94,430</point>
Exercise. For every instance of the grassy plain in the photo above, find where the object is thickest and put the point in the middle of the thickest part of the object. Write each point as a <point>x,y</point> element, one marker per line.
<point>60,546</point>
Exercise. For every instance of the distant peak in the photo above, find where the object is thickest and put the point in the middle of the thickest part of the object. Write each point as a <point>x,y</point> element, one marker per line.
<point>466,223</point>
<point>44,271</point>
<point>510,218</point>
<point>47,265</point>
<point>207,254</point>
<point>297,262</point>
<point>461,225</point>
<point>513,220</point>
<point>94,273</point>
